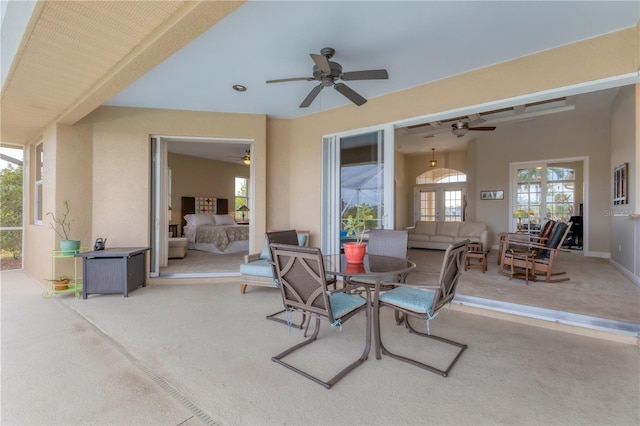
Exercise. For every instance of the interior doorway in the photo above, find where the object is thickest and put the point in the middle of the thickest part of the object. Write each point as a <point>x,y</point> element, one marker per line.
<point>188,167</point>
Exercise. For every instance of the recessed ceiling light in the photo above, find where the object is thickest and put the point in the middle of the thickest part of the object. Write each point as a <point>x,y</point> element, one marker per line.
<point>239,88</point>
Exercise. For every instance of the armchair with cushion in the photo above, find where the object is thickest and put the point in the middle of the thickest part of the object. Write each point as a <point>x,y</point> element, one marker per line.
<point>257,269</point>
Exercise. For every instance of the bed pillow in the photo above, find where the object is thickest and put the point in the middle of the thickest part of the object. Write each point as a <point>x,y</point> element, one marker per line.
<point>199,219</point>
<point>223,219</point>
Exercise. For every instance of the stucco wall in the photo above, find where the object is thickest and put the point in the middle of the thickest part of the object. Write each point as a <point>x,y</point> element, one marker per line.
<point>617,54</point>
<point>120,153</point>
<point>121,182</point>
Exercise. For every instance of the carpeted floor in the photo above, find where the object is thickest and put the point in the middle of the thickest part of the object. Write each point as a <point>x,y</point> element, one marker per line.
<point>201,354</point>
<point>595,288</point>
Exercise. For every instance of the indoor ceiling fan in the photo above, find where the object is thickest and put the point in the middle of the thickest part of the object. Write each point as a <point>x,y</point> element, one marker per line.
<point>459,126</point>
<point>246,158</point>
<point>327,72</point>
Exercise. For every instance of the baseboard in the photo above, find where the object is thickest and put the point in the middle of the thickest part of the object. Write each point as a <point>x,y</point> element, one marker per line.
<point>584,325</point>
<point>600,254</point>
<point>627,273</point>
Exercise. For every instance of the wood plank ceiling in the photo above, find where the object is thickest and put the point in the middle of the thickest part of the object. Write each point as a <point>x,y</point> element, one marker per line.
<point>76,55</point>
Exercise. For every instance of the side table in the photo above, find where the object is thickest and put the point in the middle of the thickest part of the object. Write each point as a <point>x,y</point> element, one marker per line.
<point>113,270</point>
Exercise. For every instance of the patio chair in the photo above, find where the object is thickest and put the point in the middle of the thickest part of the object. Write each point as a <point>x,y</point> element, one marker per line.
<point>424,302</point>
<point>303,285</point>
<point>386,242</point>
<point>544,255</point>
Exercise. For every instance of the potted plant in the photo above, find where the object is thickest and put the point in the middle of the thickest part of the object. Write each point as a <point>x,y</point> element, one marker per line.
<point>60,283</point>
<point>357,226</point>
<point>61,225</point>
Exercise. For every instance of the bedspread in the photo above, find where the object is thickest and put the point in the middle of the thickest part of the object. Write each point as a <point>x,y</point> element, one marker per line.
<point>221,235</point>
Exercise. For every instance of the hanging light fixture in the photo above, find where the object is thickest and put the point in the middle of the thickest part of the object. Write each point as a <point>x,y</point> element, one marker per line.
<point>433,162</point>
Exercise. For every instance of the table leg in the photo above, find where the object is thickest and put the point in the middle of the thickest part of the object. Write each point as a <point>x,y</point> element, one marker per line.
<point>376,318</point>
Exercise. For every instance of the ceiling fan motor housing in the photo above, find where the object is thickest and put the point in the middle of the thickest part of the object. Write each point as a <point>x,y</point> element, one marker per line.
<point>327,79</point>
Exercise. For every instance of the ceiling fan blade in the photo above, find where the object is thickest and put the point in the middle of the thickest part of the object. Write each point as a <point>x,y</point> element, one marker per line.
<point>351,94</point>
<point>311,96</point>
<point>321,62</point>
<point>365,75</point>
<point>483,129</point>
<point>281,80</point>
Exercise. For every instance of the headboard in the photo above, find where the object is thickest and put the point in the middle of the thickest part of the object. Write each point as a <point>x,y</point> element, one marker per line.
<point>216,205</point>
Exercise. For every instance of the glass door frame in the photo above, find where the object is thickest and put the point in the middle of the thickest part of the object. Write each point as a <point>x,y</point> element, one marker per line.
<point>331,186</point>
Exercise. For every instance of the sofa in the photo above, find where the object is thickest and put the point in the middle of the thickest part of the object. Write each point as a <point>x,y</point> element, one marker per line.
<point>438,235</point>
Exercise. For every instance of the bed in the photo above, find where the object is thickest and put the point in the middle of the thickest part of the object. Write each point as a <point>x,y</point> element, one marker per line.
<point>208,227</point>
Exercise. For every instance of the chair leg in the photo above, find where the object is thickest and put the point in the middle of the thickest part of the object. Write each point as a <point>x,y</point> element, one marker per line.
<point>328,384</point>
<point>272,317</point>
<point>443,373</point>
<point>243,288</point>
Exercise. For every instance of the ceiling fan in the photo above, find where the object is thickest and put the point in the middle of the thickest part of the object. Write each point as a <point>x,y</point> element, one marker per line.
<point>459,126</point>
<point>327,72</point>
<point>246,158</point>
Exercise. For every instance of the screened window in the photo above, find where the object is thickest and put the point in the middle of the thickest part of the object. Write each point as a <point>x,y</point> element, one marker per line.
<point>39,178</point>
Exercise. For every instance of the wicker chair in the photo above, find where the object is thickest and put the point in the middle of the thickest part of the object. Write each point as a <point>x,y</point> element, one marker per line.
<point>424,302</point>
<point>303,285</point>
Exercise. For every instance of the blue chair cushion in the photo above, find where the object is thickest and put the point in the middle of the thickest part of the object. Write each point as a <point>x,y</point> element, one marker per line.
<point>411,298</point>
<point>265,254</point>
<point>342,304</point>
<point>260,268</point>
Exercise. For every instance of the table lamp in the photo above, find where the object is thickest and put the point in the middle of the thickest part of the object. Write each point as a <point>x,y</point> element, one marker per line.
<point>519,214</point>
<point>244,209</point>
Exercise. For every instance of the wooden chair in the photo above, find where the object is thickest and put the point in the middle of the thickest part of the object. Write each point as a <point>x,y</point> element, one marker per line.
<point>544,256</point>
<point>303,285</point>
<point>475,257</point>
<point>424,302</point>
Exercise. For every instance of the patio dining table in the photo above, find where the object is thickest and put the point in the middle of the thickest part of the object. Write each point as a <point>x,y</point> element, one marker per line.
<point>373,266</point>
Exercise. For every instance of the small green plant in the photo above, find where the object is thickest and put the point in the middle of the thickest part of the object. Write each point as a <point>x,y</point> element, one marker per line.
<point>357,225</point>
<point>61,225</point>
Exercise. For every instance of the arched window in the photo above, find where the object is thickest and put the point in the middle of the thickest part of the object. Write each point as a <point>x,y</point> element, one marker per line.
<point>442,175</point>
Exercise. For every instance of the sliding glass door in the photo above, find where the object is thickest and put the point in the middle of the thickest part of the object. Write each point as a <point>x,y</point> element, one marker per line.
<point>357,169</point>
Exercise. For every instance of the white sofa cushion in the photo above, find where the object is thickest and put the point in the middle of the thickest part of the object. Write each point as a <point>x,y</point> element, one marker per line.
<point>448,228</point>
<point>472,229</point>
<point>423,227</point>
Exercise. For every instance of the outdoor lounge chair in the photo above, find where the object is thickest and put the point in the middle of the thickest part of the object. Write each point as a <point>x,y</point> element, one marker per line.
<point>424,302</point>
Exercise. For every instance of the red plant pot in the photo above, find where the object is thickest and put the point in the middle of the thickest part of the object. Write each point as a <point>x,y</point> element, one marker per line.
<point>354,252</point>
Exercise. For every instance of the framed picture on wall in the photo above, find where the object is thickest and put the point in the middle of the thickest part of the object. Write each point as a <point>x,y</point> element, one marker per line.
<point>620,182</point>
<point>492,195</point>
